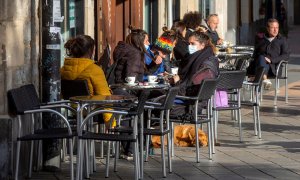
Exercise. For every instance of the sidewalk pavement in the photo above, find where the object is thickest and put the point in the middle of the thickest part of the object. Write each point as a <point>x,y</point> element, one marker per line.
<point>276,155</point>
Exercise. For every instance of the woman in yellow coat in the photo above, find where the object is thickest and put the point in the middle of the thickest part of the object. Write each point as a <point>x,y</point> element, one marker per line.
<point>80,65</point>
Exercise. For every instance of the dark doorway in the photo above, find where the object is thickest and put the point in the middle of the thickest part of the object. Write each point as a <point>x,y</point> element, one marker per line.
<point>296,12</point>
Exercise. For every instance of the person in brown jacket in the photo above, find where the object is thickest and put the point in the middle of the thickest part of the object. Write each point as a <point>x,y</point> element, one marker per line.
<point>129,56</point>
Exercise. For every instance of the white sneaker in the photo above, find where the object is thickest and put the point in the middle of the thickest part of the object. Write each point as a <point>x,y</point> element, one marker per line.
<point>267,84</point>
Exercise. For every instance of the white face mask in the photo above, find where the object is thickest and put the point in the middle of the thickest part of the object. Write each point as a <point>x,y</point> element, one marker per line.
<point>146,46</point>
<point>192,49</point>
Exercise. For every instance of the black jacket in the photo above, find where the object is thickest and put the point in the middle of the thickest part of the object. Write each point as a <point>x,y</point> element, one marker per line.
<point>130,62</point>
<point>276,50</point>
<point>194,63</point>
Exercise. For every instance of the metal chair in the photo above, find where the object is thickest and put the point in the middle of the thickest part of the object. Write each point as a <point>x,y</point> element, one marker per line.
<point>135,112</point>
<point>282,66</point>
<point>164,125</point>
<point>205,91</point>
<point>24,100</point>
<point>231,81</point>
<point>255,100</point>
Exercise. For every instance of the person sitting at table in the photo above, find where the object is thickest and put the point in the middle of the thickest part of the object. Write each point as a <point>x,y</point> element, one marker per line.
<point>191,20</point>
<point>269,50</point>
<point>180,51</point>
<point>156,57</point>
<point>211,24</point>
<point>80,65</point>
<point>202,53</point>
<point>130,56</point>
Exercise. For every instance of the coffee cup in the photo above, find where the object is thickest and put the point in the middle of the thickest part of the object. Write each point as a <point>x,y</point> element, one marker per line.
<point>152,78</point>
<point>174,70</point>
<point>130,79</point>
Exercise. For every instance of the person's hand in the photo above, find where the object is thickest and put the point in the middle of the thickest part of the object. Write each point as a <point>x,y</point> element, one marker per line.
<point>220,41</point>
<point>158,59</point>
<point>176,78</point>
<point>268,60</point>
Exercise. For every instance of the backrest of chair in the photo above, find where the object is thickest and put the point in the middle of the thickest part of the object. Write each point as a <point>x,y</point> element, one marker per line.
<point>259,75</point>
<point>170,97</point>
<point>142,101</point>
<point>70,88</point>
<point>22,99</point>
<point>240,64</point>
<point>207,89</point>
<point>231,80</point>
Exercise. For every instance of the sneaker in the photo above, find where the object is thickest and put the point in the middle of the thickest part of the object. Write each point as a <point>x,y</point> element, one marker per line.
<point>128,156</point>
<point>267,84</point>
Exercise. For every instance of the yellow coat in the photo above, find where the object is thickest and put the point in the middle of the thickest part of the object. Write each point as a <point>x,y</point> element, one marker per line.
<point>83,68</point>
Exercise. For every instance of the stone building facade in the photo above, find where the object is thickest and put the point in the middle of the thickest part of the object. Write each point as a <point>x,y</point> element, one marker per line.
<point>19,59</point>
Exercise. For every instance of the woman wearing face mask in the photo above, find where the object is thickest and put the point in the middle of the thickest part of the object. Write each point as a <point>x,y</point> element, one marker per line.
<point>201,51</point>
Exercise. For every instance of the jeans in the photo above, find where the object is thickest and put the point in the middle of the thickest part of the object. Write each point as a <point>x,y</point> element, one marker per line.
<point>263,63</point>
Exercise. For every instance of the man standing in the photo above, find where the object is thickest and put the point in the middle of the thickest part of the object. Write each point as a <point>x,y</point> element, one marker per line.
<point>212,25</point>
<point>270,50</point>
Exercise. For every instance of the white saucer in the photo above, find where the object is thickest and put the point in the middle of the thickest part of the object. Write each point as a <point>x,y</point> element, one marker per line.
<point>133,84</point>
<point>152,83</point>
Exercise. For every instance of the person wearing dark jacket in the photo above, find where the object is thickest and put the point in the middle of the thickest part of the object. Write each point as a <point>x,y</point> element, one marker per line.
<point>129,56</point>
<point>157,57</point>
<point>269,50</point>
<point>191,21</point>
<point>201,51</point>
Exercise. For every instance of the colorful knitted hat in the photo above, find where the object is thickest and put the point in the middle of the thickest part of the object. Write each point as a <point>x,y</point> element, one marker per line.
<point>165,42</point>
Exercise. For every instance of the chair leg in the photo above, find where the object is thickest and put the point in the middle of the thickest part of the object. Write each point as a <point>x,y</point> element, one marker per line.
<point>276,92</point>
<point>71,158</point>
<point>148,137</point>
<point>17,160</point>
<point>258,122</point>
<point>64,150</point>
<point>78,171</point>
<point>141,143</point>
<point>162,147</point>
<point>286,90</point>
<point>136,162</point>
<point>197,143</point>
<point>172,139</point>
<point>30,159</point>
<point>255,120</point>
<point>255,90</point>
<point>210,142</point>
<point>240,125</point>
<point>87,160</point>
<point>117,148</point>
<point>107,160</point>
<point>169,141</point>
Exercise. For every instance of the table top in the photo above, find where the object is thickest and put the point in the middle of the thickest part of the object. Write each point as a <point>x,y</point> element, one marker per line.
<point>243,47</point>
<point>140,87</point>
<point>233,54</point>
<point>101,99</point>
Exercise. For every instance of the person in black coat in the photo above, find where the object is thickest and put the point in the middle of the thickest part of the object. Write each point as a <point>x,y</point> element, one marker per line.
<point>201,50</point>
<point>190,22</point>
<point>269,50</point>
<point>129,56</point>
<point>212,25</point>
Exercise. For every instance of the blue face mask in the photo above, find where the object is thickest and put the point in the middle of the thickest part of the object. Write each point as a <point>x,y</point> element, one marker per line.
<point>146,47</point>
<point>192,49</point>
